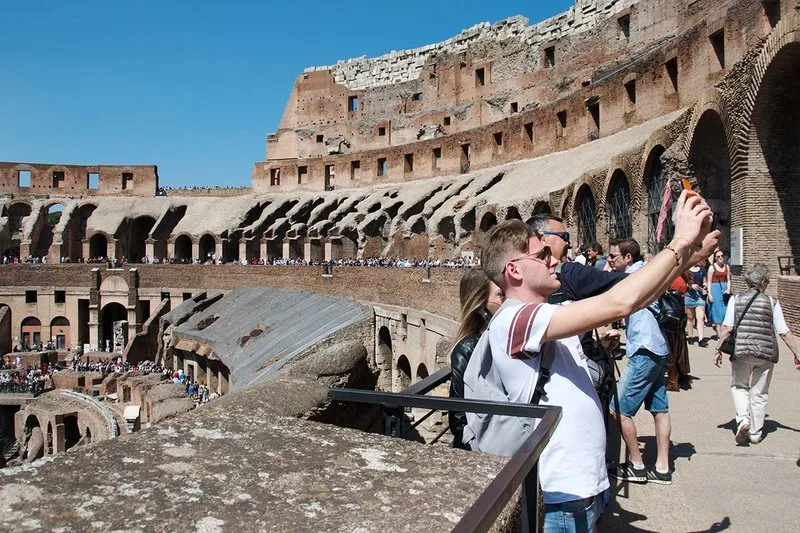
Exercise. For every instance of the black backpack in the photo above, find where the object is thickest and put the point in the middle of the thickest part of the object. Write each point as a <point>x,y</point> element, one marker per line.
<point>670,316</point>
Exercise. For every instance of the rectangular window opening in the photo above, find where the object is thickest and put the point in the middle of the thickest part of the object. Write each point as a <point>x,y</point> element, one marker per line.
<point>330,177</point>
<point>355,169</point>
<point>60,297</point>
<point>93,181</point>
<point>446,121</point>
<point>320,138</point>
<point>480,77</point>
<point>58,179</point>
<point>528,128</point>
<point>550,57</point>
<point>352,104</point>
<point>24,178</point>
<point>302,174</point>
<point>672,71</point>
<point>382,131</point>
<point>187,295</point>
<point>465,158</point>
<point>514,107</point>
<point>630,89</point>
<point>562,122</point>
<point>718,44</point>
<point>164,296</point>
<point>625,25</point>
<point>382,167</point>
<point>274,177</point>
<point>436,157</point>
<point>594,126</point>
<point>126,177</point>
<point>408,163</point>
<point>498,138</point>
<point>31,297</point>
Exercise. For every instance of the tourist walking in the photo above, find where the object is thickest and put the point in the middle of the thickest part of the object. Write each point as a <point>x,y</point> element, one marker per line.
<point>757,318</point>
<point>695,302</point>
<point>480,299</point>
<point>719,290</point>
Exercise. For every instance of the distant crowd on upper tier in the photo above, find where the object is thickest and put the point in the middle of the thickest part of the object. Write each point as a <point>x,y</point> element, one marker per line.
<point>212,259</point>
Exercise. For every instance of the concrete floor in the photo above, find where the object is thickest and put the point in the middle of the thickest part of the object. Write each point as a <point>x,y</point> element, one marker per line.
<point>717,485</point>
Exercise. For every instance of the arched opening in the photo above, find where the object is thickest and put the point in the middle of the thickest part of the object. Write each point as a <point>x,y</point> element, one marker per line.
<point>587,215</point>
<point>619,207</point>
<point>33,441</point>
<point>488,221</point>
<point>230,248</point>
<point>78,232</point>
<point>656,180</point>
<point>422,372</point>
<point>72,433</point>
<point>402,374</point>
<point>709,163</point>
<point>98,246</point>
<point>60,333</point>
<point>112,312</point>
<point>183,249</point>
<point>208,248</point>
<point>30,333</point>
<point>512,213</point>
<point>384,355</point>
<point>774,160</point>
<point>542,208</point>
<point>135,250</point>
<point>16,212</point>
<point>48,439</point>
<point>51,218</point>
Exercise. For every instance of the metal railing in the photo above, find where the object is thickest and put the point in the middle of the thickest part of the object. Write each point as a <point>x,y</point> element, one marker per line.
<point>521,468</point>
<point>34,389</point>
<point>789,265</point>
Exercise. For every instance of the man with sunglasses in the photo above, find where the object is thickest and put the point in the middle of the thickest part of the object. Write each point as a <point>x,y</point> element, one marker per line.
<point>578,281</point>
<point>572,466</point>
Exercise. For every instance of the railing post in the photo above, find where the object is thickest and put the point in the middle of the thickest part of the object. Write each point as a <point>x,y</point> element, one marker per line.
<point>393,420</point>
<point>530,501</point>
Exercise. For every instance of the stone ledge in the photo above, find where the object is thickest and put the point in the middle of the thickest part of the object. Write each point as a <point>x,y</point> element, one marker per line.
<point>234,467</point>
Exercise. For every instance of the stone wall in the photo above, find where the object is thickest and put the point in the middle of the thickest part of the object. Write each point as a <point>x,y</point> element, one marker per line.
<point>73,180</point>
<point>407,65</point>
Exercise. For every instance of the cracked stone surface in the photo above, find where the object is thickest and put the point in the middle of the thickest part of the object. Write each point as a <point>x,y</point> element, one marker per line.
<point>237,466</point>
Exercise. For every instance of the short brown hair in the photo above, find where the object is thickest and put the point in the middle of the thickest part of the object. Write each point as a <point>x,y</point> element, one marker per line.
<point>628,246</point>
<point>507,239</point>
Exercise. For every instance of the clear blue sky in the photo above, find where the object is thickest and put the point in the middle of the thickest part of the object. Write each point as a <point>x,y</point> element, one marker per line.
<point>191,86</point>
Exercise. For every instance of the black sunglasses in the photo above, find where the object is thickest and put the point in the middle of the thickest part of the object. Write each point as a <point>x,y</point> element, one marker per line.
<point>563,234</point>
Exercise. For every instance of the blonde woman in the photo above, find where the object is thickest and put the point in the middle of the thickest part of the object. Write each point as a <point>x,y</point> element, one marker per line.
<point>480,298</point>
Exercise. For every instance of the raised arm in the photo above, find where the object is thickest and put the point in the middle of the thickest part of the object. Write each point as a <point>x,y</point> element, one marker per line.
<point>642,287</point>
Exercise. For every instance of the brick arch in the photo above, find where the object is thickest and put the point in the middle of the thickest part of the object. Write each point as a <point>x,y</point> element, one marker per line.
<point>488,211</point>
<point>614,186</point>
<point>711,100</point>
<point>768,168</point>
<point>784,33</point>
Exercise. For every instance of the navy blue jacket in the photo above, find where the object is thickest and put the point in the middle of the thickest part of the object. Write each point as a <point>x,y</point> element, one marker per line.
<point>583,281</point>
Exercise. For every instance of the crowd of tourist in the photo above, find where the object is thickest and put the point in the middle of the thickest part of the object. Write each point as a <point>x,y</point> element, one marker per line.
<point>213,259</point>
<point>164,190</point>
<point>15,379</point>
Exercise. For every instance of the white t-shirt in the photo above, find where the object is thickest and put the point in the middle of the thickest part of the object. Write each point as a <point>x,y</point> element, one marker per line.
<point>573,464</point>
<point>580,258</point>
<point>778,321</point>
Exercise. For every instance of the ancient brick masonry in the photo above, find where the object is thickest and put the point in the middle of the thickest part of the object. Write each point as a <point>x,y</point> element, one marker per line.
<point>417,153</point>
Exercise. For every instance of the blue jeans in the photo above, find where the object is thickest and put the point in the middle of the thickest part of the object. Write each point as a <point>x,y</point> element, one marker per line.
<point>643,382</point>
<point>578,516</point>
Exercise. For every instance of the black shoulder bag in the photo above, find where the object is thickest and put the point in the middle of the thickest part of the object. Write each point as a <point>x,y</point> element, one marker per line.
<point>729,344</point>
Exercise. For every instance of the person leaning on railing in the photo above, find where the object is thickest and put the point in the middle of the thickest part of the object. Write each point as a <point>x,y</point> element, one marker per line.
<point>480,298</point>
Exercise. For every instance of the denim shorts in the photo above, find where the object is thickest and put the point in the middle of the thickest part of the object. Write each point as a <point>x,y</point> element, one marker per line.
<point>573,517</point>
<point>643,382</point>
<point>694,298</point>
